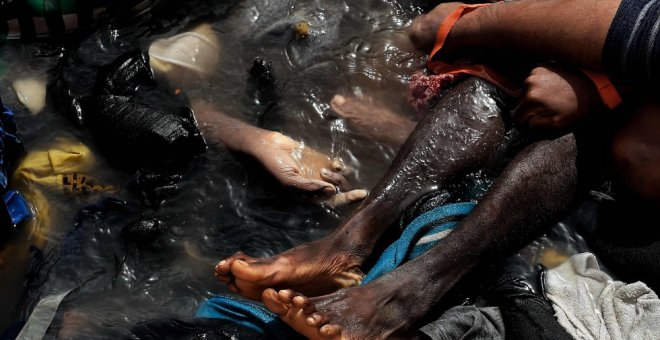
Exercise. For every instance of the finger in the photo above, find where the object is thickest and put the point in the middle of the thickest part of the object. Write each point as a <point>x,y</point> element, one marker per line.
<point>337,165</point>
<point>543,122</point>
<point>335,178</point>
<point>310,185</point>
<point>527,113</point>
<point>345,198</point>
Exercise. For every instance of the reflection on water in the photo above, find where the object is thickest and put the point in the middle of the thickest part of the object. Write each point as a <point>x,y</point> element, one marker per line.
<point>225,204</point>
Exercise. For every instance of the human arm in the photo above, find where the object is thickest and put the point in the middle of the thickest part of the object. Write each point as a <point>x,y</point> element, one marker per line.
<point>568,30</point>
<point>293,164</point>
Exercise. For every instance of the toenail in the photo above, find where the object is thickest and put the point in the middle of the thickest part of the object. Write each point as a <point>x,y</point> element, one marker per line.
<point>222,263</point>
<point>325,172</point>
<point>339,100</point>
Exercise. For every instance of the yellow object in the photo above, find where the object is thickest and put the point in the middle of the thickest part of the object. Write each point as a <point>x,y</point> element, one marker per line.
<point>63,166</point>
<point>552,258</point>
<point>301,29</point>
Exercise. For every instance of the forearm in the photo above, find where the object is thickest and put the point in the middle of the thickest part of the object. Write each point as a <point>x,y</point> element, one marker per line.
<point>236,135</point>
<point>570,30</point>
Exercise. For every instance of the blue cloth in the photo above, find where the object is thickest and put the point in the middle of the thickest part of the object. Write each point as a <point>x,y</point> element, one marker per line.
<point>420,235</point>
<point>18,207</point>
<point>15,208</point>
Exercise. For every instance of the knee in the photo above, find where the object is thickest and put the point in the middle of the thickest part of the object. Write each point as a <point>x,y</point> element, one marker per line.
<point>419,32</point>
<point>636,151</point>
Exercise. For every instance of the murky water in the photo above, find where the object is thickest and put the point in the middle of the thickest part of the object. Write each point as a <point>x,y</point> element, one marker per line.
<point>226,203</point>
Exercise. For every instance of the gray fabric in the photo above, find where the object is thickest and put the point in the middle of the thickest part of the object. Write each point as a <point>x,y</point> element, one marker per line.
<point>466,322</point>
<point>36,326</point>
<point>589,304</point>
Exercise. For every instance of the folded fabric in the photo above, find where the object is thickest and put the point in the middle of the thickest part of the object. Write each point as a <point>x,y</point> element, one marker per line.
<point>64,165</point>
<point>421,234</point>
<point>466,322</point>
<point>589,304</point>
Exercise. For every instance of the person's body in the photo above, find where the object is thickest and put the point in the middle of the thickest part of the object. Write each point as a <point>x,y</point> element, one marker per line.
<point>538,186</point>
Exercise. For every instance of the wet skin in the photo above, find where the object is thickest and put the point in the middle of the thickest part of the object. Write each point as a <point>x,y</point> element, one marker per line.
<point>391,306</point>
<point>373,120</point>
<point>457,135</point>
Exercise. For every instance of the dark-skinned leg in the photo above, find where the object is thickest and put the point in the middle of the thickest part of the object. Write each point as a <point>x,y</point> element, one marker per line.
<point>536,189</point>
<point>462,130</point>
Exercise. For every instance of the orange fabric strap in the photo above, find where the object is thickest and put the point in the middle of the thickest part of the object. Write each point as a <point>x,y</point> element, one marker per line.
<point>608,92</point>
<point>448,24</point>
<point>481,71</point>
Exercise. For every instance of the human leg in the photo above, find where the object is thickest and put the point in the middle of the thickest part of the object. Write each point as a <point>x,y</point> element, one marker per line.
<point>462,130</point>
<point>536,189</point>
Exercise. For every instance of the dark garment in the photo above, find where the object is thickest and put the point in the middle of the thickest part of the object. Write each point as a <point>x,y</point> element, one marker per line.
<point>526,313</point>
<point>631,53</point>
<point>622,231</point>
<point>133,122</point>
<point>466,322</point>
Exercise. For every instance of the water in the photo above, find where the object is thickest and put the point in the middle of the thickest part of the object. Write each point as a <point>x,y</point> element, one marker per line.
<point>226,203</point>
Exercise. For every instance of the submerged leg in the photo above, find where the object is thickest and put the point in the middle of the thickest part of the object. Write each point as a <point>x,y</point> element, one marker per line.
<point>463,129</point>
<point>534,191</point>
<point>373,120</point>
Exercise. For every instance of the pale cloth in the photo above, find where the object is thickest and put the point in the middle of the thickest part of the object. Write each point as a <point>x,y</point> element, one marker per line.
<point>589,304</point>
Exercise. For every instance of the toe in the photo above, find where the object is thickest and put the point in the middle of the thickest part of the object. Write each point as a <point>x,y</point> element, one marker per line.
<point>271,300</point>
<point>233,288</point>
<point>316,320</point>
<point>286,296</point>
<point>330,331</point>
<point>250,272</point>
<point>303,303</point>
<point>222,268</point>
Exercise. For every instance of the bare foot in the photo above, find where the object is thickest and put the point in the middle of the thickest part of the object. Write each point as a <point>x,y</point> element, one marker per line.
<point>351,313</point>
<point>314,268</point>
<point>387,308</point>
<point>372,119</point>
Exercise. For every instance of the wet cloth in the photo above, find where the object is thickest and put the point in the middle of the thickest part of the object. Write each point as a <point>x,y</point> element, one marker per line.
<point>420,235</point>
<point>132,121</point>
<point>65,166</point>
<point>631,51</point>
<point>591,305</point>
<point>13,208</point>
<point>466,322</point>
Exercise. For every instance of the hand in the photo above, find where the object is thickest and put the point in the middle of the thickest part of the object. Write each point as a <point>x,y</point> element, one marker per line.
<point>556,98</point>
<point>298,166</point>
<point>422,31</point>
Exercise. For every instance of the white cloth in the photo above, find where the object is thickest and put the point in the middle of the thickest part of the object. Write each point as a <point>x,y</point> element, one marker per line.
<point>589,304</point>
